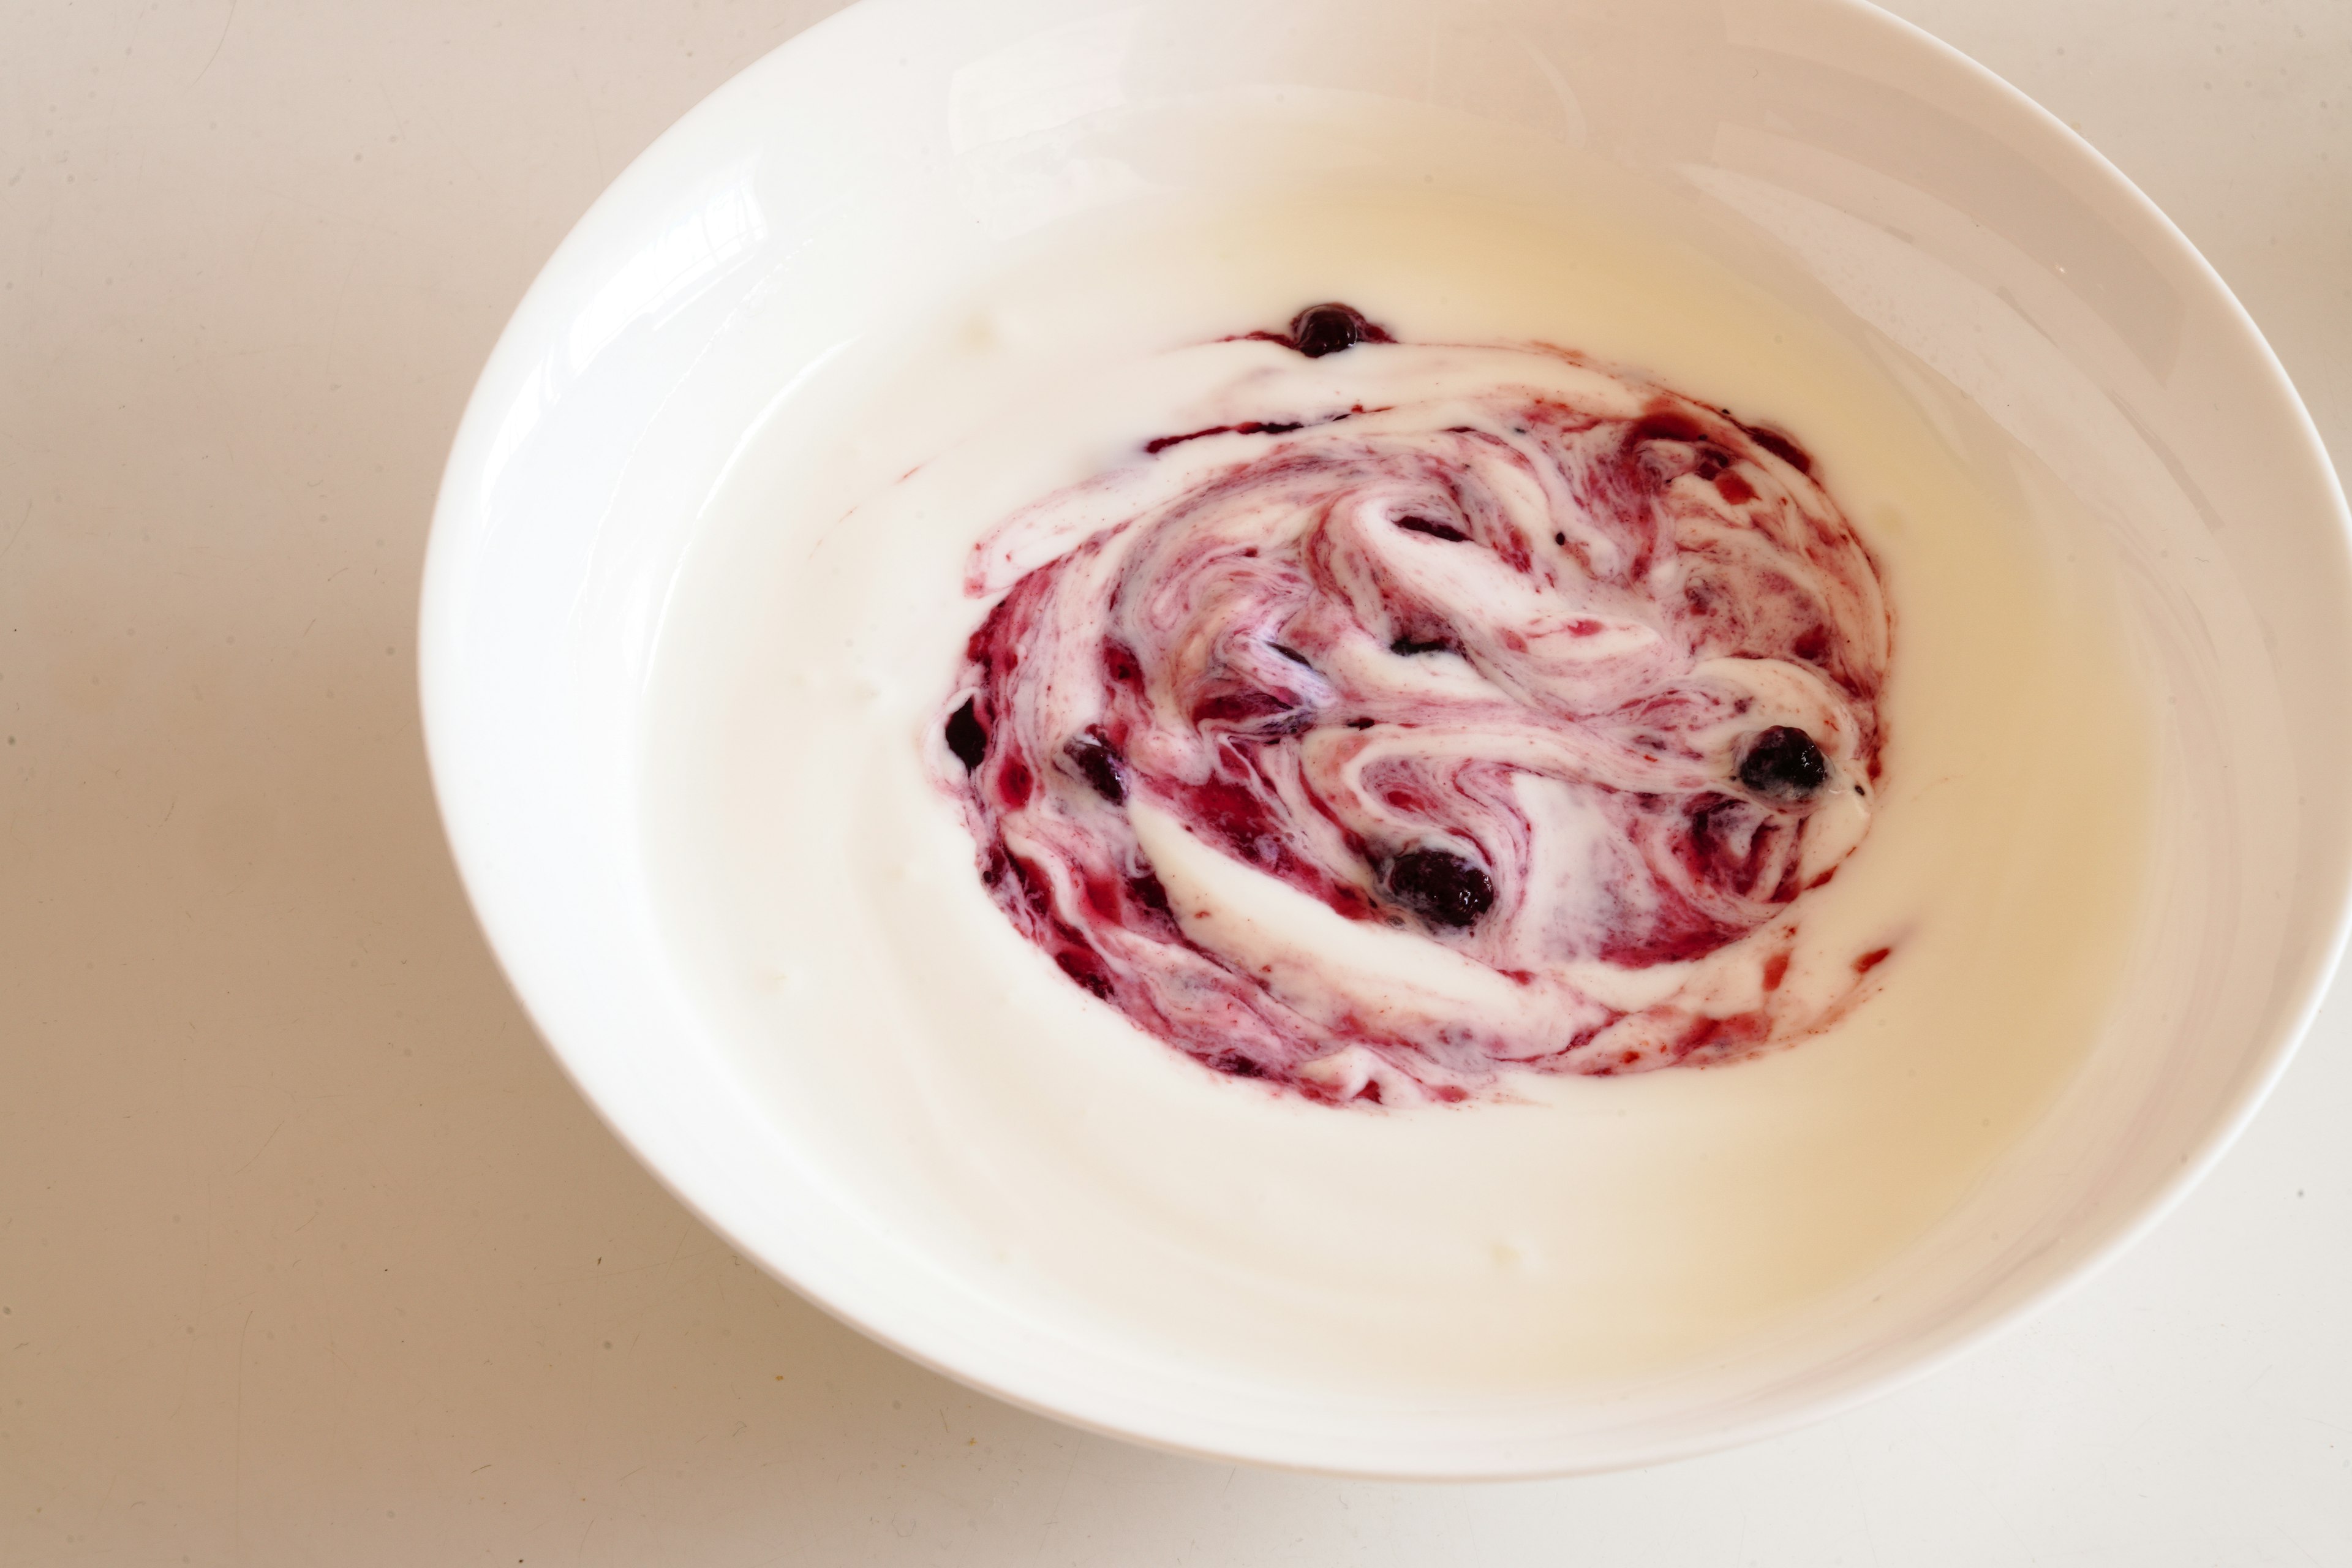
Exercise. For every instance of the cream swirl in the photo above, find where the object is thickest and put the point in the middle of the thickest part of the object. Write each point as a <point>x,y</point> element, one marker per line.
<point>1546,692</point>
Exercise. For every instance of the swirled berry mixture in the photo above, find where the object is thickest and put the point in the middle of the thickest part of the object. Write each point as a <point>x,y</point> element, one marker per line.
<point>1429,713</point>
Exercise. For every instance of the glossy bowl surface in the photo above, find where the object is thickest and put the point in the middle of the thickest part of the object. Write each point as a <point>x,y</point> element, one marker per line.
<point>905,143</point>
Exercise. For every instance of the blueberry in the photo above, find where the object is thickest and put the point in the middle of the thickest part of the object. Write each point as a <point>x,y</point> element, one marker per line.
<point>1443,888</point>
<point>1332,329</point>
<point>1783,765</point>
<point>966,739</point>
<point>1098,764</point>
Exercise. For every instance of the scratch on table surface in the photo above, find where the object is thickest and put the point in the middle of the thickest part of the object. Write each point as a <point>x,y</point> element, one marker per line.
<point>257,1154</point>
<point>335,319</point>
<point>229,22</point>
<point>392,108</point>
<point>237,1445</point>
<point>588,110</point>
<point>1862,1500</point>
<point>638,1268</point>
<point>1054,1518</point>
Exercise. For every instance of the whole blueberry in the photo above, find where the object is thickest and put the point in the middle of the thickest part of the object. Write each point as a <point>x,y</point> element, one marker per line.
<point>1331,329</point>
<point>1444,888</point>
<point>1783,765</point>
<point>966,739</point>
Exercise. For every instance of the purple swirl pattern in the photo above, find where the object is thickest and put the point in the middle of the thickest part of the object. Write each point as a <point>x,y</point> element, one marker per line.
<point>1565,673</point>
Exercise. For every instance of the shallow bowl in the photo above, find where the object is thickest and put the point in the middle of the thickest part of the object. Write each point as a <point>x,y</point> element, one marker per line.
<point>906,144</point>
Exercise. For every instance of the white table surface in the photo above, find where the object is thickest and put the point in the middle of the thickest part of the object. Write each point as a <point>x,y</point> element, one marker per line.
<point>308,1255</point>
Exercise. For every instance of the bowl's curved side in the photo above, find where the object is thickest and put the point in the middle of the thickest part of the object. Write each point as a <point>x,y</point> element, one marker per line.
<point>2245,403</point>
<point>541,599</point>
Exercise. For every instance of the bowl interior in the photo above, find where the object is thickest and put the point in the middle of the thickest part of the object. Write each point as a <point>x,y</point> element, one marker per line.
<point>907,145</point>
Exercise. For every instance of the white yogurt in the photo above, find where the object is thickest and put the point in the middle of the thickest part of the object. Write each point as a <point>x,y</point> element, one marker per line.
<point>821,897</point>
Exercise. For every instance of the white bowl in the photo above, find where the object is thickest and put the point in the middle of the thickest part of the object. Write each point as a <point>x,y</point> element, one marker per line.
<point>905,143</point>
